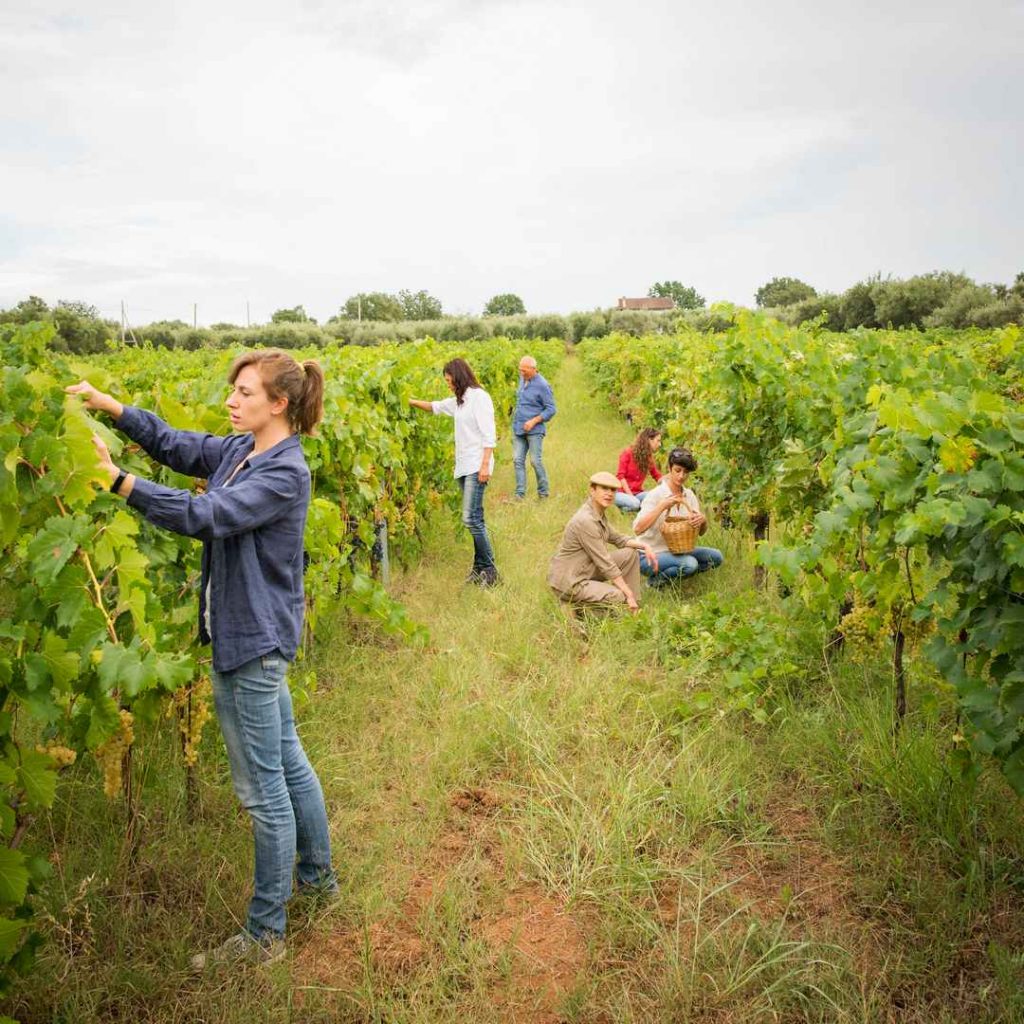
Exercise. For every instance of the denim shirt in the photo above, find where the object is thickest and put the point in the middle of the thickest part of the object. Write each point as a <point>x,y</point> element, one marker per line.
<point>533,398</point>
<point>252,531</point>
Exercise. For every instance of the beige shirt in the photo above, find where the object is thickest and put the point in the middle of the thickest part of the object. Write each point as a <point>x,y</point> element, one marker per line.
<point>652,535</point>
<point>583,552</point>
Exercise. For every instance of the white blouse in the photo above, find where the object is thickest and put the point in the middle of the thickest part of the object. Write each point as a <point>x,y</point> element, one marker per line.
<point>474,428</point>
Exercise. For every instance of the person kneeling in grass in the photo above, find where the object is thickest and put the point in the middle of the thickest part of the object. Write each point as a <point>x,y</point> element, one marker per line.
<point>635,463</point>
<point>584,573</point>
<point>673,494</point>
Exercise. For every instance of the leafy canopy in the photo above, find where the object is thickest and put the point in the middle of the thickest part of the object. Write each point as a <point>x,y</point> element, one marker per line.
<point>295,315</point>
<point>684,296</point>
<point>506,304</point>
<point>783,291</point>
<point>381,306</point>
<point>419,305</point>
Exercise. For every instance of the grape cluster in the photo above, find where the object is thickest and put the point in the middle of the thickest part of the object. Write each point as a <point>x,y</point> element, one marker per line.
<point>191,727</point>
<point>62,756</point>
<point>111,753</point>
<point>860,628</point>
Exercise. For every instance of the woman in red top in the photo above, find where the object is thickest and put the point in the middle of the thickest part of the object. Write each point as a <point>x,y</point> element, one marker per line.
<point>634,465</point>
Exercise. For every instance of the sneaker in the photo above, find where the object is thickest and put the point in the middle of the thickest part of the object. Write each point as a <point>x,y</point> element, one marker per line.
<point>488,578</point>
<point>241,949</point>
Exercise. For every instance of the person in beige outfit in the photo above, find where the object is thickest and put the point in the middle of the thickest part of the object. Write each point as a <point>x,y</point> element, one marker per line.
<point>584,573</point>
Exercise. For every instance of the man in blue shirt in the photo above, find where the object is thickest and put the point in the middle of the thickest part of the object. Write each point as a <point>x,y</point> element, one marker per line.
<point>535,405</point>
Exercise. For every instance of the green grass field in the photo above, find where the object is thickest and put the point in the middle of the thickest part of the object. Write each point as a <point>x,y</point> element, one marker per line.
<point>528,830</point>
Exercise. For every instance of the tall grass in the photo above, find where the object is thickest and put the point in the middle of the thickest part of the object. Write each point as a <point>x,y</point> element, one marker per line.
<point>814,868</point>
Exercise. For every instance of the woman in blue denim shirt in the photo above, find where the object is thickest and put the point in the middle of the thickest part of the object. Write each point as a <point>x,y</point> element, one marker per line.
<point>251,520</point>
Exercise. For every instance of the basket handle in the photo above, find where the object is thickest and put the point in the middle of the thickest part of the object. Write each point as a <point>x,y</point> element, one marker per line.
<point>685,503</point>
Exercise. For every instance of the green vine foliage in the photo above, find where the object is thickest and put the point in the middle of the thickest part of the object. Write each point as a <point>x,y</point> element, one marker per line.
<point>891,465</point>
<point>925,522</point>
<point>754,652</point>
<point>98,607</point>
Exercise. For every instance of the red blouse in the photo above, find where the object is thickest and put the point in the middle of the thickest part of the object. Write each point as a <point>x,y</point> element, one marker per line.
<point>629,472</point>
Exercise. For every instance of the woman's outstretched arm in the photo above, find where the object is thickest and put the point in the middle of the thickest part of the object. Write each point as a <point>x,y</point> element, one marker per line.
<point>184,451</point>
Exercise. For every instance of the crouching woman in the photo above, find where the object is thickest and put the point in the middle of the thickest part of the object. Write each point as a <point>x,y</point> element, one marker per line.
<point>251,521</point>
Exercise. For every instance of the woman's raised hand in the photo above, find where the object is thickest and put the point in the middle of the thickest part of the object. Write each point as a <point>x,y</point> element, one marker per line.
<point>106,462</point>
<point>96,399</point>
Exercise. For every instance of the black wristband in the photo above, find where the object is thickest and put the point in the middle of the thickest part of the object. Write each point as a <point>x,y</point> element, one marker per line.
<point>115,487</point>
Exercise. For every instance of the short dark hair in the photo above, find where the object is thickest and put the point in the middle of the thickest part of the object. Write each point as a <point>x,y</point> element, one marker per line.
<point>682,457</point>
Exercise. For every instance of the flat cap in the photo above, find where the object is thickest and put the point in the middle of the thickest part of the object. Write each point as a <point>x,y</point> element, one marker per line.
<point>604,479</point>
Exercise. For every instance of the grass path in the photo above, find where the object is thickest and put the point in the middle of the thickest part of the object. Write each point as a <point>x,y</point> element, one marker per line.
<point>520,836</point>
<point>526,830</point>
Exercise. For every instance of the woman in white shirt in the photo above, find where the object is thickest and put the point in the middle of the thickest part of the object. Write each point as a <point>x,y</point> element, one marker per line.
<point>475,439</point>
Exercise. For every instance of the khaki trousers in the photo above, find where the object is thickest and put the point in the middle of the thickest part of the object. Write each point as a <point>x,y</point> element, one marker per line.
<point>598,592</point>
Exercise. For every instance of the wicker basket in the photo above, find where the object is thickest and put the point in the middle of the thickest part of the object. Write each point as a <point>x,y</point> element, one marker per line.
<point>679,533</point>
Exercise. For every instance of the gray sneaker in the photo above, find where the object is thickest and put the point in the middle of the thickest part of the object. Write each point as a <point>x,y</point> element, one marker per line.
<point>241,949</point>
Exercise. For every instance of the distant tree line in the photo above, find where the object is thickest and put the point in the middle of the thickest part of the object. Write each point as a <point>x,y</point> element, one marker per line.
<point>939,299</point>
<point>80,329</point>
<point>406,306</point>
<point>295,333</point>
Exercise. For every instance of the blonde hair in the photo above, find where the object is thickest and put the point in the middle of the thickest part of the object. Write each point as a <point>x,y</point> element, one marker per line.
<point>284,377</point>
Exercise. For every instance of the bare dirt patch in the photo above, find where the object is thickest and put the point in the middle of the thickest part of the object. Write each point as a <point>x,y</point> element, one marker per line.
<point>538,950</point>
<point>330,960</point>
<point>476,800</point>
<point>794,873</point>
<point>548,954</point>
<point>791,875</point>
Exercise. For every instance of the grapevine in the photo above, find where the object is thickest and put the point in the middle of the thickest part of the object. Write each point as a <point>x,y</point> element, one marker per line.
<point>98,607</point>
<point>889,464</point>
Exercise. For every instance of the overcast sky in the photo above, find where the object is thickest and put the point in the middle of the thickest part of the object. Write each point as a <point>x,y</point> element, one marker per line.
<point>281,153</point>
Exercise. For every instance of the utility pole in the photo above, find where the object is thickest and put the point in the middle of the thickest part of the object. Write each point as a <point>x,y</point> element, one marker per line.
<point>248,322</point>
<point>125,326</point>
<point>359,306</point>
<point>194,306</point>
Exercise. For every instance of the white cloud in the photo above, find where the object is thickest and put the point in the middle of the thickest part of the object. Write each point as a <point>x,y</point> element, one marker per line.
<point>572,152</point>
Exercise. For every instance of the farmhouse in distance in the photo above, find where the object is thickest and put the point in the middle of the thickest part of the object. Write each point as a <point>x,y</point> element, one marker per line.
<point>647,303</point>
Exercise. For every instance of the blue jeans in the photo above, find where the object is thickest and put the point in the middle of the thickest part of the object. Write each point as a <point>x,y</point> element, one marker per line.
<point>275,783</point>
<point>473,520</point>
<point>672,566</point>
<point>534,442</point>
<point>629,502</point>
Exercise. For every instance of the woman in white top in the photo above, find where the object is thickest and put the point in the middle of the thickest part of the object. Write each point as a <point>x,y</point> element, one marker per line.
<point>475,440</point>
